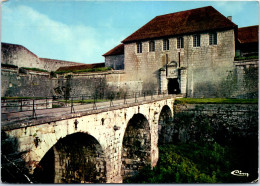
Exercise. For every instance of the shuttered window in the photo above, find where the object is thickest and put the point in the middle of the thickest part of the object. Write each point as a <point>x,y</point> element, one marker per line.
<point>196,40</point>
<point>213,39</point>
<point>151,46</point>
<point>166,44</point>
<point>139,47</point>
<point>180,42</point>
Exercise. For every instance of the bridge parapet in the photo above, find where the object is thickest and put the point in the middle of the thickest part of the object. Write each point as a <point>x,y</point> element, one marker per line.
<point>36,138</point>
<point>16,120</point>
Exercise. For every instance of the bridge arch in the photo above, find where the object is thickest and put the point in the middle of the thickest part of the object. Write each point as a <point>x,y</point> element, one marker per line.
<point>76,158</point>
<point>136,145</point>
<point>165,125</point>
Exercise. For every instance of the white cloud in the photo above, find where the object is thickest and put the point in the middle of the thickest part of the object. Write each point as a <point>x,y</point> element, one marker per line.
<point>53,39</point>
<point>232,7</point>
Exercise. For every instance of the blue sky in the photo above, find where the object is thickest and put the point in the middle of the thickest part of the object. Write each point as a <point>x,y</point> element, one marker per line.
<point>82,31</point>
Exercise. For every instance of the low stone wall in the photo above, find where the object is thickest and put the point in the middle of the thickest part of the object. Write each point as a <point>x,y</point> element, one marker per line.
<point>212,122</point>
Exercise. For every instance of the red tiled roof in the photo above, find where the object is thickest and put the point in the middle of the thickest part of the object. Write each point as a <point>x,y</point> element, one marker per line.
<point>185,22</point>
<point>118,50</point>
<point>81,67</point>
<point>248,34</point>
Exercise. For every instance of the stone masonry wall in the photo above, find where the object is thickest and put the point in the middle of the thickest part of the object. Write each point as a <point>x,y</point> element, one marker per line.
<point>245,75</point>
<point>20,56</point>
<point>219,121</point>
<point>79,158</point>
<point>208,122</point>
<point>15,84</point>
<point>115,61</point>
<point>206,65</point>
<point>53,65</point>
<point>41,84</point>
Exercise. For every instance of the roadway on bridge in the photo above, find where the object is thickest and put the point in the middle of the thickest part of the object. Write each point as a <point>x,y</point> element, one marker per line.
<point>20,117</point>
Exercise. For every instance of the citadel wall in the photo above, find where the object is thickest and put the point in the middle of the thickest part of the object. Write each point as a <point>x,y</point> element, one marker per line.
<point>12,54</point>
<point>42,84</point>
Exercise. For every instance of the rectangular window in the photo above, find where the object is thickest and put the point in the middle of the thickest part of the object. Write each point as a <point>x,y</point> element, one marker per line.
<point>166,44</point>
<point>213,40</point>
<point>151,46</point>
<point>196,40</point>
<point>139,47</point>
<point>180,42</point>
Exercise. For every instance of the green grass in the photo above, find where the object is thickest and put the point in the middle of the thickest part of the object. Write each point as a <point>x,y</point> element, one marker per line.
<point>245,58</point>
<point>214,101</point>
<point>101,69</point>
<point>35,69</point>
<point>56,106</point>
<point>194,163</point>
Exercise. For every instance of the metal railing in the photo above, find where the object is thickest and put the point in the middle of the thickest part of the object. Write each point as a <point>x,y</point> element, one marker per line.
<point>39,103</point>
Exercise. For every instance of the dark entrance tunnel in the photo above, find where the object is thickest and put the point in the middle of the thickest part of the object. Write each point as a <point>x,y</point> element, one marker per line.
<point>136,150</point>
<point>165,126</point>
<point>77,158</point>
<point>173,86</point>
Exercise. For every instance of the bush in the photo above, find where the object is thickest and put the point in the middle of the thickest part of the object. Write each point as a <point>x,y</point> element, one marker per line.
<point>101,69</point>
<point>173,167</point>
<point>34,69</point>
<point>9,66</point>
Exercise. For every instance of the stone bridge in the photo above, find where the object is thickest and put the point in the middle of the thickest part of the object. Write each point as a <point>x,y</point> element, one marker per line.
<point>103,146</point>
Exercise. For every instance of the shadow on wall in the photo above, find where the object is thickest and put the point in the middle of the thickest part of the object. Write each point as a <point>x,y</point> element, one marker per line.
<point>150,87</point>
<point>76,158</point>
<point>136,146</point>
<point>13,168</point>
<point>234,85</point>
<point>165,127</point>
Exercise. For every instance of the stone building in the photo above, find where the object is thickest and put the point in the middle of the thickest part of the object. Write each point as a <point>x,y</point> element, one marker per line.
<point>115,57</point>
<point>188,52</point>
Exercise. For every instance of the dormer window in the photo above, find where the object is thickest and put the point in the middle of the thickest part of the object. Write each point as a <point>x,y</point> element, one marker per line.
<point>213,39</point>
<point>139,47</point>
<point>196,40</point>
<point>151,46</point>
<point>166,44</point>
<point>180,42</point>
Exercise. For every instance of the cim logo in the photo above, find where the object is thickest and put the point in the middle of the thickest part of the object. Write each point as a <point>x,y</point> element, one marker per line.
<point>239,173</point>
